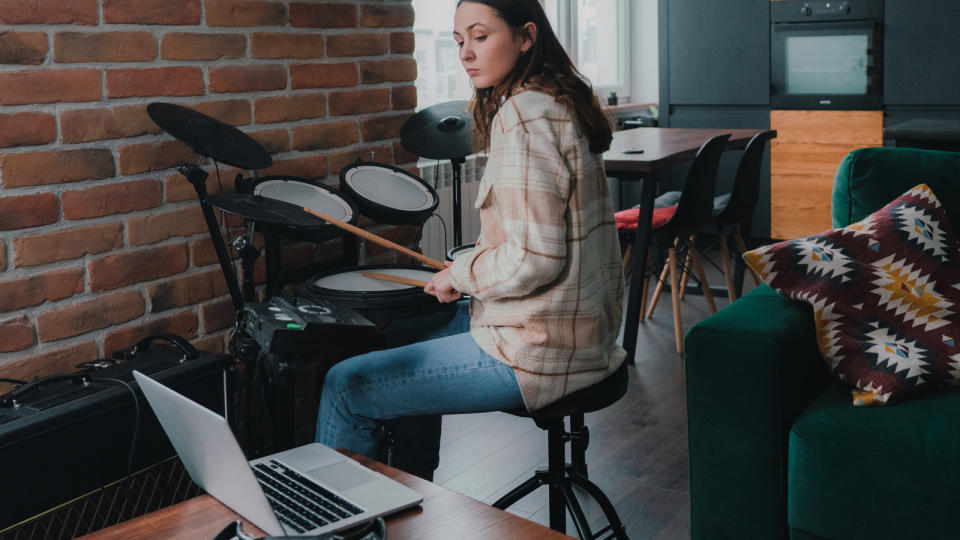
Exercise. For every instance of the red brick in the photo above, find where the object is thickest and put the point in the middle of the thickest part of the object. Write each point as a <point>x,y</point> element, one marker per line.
<point>49,86</point>
<point>325,135</point>
<point>183,324</point>
<point>156,227</point>
<point>80,318</point>
<point>178,189</point>
<point>168,12</point>
<point>16,335</point>
<point>401,155</point>
<point>356,44</point>
<point>186,290</point>
<point>217,315</point>
<point>36,289</point>
<point>3,255</point>
<point>402,42</point>
<point>144,157</point>
<point>235,112</point>
<point>104,47</point>
<point>85,125</point>
<point>260,78</point>
<point>311,167</point>
<point>381,154</point>
<point>399,70</point>
<point>244,13</point>
<point>213,344</point>
<point>26,129</point>
<point>283,45</point>
<point>189,46</point>
<point>323,75</point>
<point>306,15</point>
<point>48,12</point>
<point>359,101</point>
<point>403,97</point>
<point>375,128</point>
<point>386,16</point>
<point>165,81</point>
<point>28,211</point>
<point>55,167</point>
<point>114,198</point>
<point>22,47</point>
<point>66,244</point>
<point>289,108</point>
<point>120,270</point>
<point>202,252</point>
<point>276,141</point>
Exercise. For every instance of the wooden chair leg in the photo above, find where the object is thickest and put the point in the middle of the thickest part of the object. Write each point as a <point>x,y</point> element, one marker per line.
<point>675,297</point>
<point>685,273</point>
<point>727,268</point>
<point>646,286</point>
<point>702,276</point>
<point>743,249</point>
<point>627,260</point>
<point>657,290</point>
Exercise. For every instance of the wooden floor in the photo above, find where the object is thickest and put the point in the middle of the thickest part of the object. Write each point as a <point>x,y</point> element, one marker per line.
<point>638,446</point>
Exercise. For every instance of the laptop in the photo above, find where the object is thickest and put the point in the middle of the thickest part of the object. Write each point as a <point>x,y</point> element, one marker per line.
<point>308,490</point>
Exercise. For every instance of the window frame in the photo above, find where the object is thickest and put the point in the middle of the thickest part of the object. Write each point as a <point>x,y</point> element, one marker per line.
<point>567,30</point>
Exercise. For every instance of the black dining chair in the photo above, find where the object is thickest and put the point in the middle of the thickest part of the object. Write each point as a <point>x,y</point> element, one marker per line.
<point>561,477</point>
<point>677,235</point>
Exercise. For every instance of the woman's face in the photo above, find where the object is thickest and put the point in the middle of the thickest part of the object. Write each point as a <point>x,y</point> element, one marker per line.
<point>489,48</point>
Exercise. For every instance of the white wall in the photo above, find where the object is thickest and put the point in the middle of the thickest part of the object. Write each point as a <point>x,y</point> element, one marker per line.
<point>644,69</point>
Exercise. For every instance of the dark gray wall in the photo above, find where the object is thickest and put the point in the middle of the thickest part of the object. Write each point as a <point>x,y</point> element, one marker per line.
<point>921,52</point>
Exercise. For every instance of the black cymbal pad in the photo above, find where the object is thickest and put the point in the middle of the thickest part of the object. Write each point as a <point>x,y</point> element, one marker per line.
<point>441,131</point>
<point>210,137</point>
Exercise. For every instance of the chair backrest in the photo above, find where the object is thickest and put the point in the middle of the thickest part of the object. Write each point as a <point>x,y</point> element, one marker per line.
<point>696,200</point>
<point>746,185</point>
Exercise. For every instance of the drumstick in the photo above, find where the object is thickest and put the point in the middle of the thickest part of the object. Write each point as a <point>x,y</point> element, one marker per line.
<point>394,279</point>
<point>378,240</point>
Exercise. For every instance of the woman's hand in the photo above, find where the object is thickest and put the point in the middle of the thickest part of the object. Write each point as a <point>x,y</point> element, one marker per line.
<point>441,286</point>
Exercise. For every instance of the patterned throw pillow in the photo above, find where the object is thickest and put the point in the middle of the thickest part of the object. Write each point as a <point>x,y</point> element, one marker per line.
<point>885,294</point>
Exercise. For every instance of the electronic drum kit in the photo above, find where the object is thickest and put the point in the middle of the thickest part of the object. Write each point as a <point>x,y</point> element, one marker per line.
<point>302,209</point>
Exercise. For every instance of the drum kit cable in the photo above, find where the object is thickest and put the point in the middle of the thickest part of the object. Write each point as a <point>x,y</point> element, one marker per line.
<point>288,206</point>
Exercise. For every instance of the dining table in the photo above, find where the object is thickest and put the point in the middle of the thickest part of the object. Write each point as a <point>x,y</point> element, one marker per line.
<point>642,155</point>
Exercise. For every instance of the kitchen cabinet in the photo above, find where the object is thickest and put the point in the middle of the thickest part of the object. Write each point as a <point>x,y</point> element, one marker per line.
<point>921,52</point>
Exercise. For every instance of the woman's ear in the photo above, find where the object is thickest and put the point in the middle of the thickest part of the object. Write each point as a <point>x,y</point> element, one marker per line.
<point>529,32</point>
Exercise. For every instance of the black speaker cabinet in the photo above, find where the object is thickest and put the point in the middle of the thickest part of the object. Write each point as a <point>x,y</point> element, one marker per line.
<point>69,438</point>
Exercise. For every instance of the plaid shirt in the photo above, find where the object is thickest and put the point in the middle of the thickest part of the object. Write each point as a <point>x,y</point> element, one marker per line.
<point>545,277</point>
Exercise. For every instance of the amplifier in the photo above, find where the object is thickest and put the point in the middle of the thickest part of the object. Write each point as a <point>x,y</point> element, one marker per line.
<point>61,440</point>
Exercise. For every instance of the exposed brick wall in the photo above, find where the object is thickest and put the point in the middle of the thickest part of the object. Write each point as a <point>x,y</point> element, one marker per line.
<point>101,242</point>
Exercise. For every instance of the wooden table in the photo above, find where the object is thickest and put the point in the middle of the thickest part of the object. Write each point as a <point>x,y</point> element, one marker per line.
<point>662,148</point>
<point>443,514</point>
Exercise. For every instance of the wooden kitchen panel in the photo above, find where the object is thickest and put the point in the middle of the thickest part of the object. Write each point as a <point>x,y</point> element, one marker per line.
<point>803,160</point>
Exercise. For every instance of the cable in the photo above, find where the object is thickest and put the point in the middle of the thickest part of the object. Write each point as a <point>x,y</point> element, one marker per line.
<point>12,381</point>
<point>136,423</point>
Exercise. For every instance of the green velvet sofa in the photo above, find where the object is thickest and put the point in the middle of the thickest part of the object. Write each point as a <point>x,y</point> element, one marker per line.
<point>777,450</point>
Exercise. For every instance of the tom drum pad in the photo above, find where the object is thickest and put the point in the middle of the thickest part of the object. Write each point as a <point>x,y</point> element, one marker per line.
<point>388,194</point>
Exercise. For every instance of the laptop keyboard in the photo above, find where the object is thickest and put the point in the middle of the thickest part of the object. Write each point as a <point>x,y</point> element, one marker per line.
<point>299,502</point>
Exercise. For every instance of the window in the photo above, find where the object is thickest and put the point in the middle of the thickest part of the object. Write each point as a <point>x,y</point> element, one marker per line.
<point>594,32</point>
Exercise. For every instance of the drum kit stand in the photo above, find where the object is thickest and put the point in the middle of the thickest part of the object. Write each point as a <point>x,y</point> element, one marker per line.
<point>339,303</point>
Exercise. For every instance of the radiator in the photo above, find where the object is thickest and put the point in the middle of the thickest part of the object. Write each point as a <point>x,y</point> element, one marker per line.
<point>437,238</point>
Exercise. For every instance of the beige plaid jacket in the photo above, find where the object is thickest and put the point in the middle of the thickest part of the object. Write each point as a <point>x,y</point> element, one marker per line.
<point>545,277</point>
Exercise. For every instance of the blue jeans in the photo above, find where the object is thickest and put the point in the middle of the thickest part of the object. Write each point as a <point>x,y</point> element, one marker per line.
<point>411,386</point>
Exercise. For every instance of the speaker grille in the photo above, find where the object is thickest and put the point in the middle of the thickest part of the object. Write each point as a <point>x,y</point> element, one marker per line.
<point>153,488</point>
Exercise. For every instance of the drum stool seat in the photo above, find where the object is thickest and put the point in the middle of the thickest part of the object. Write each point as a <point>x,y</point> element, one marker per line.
<point>561,476</point>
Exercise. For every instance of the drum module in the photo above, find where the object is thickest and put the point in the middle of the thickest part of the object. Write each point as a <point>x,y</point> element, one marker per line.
<point>285,324</point>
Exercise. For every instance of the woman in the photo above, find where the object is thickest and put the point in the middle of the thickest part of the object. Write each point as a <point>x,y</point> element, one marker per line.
<point>544,278</point>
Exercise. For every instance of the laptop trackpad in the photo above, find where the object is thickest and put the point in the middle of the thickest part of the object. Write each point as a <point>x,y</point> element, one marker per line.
<point>343,475</point>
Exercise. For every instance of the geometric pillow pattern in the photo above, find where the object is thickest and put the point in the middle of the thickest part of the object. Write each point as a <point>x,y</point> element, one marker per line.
<point>885,294</point>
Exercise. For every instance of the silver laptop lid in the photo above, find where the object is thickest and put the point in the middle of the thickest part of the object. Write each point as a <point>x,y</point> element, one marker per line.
<point>210,453</point>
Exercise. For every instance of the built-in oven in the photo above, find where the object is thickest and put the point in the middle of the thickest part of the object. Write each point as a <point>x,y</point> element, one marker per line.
<point>826,55</point>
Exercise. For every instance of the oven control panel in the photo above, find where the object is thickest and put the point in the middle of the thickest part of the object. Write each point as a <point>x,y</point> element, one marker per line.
<point>825,10</point>
<point>813,9</point>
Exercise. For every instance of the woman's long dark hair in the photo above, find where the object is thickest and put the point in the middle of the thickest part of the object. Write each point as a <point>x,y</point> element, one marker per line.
<point>545,67</point>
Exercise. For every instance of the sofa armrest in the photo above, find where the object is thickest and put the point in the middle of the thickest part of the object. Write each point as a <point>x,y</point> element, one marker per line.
<point>750,370</point>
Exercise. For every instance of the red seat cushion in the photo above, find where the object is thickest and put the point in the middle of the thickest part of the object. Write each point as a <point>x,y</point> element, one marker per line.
<point>627,219</point>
